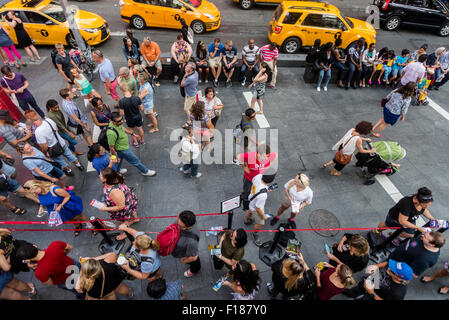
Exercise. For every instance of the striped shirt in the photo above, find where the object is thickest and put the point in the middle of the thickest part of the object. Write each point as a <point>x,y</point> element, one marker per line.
<point>70,108</point>
<point>10,133</point>
<point>267,54</point>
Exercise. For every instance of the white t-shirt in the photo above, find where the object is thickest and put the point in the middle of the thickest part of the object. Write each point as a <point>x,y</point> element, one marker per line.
<point>209,105</point>
<point>301,196</point>
<point>250,54</point>
<point>258,202</point>
<point>44,133</point>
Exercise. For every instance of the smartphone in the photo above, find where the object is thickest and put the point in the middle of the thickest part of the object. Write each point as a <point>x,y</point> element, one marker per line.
<point>273,186</point>
<point>326,247</point>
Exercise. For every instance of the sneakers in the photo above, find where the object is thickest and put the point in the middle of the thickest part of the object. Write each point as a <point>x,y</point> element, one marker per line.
<point>156,83</point>
<point>274,221</point>
<point>243,82</point>
<point>199,174</point>
<point>69,173</point>
<point>292,223</point>
<point>256,238</point>
<point>215,83</point>
<point>236,162</point>
<point>185,172</point>
<point>270,288</point>
<point>318,89</point>
<point>175,79</point>
<point>272,87</point>
<point>149,173</point>
<point>325,88</point>
<point>199,81</point>
<point>80,167</point>
<point>396,242</point>
<point>206,81</point>
<point>228,83</point>
<point>123,171</point>
<point>188,274</point>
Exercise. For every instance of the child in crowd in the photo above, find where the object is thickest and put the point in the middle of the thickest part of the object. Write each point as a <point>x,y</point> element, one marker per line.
<point>399,63</point>
<point>378,66</point>
<point>387,61</point>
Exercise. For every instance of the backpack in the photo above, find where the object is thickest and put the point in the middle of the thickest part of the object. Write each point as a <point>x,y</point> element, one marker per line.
<point>53,55</point>
<point>4,184</point>
<point>168,239</point>
<point>312,55</point>
<point>103,138</point>
<point>237,132</point>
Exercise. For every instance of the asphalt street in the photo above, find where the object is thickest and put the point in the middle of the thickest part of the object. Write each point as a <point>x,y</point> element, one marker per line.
<point>308,123</point>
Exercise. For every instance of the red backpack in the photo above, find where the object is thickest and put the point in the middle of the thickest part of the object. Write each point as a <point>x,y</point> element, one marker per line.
<point>168,239</point>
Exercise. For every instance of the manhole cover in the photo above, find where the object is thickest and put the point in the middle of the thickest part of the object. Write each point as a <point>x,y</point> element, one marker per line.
<point>323,219</point>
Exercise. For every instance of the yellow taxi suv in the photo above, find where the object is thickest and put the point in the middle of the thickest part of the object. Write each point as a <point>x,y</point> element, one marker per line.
<point>299,23</point>
<point>248,4</point>
<point>200,15</point>
<point>45,22</point>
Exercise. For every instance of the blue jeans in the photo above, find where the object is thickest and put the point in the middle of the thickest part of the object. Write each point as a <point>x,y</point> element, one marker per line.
<point>64,285</point>
<point>129,156</point>
<point>341,68</point>
<point>193,166</point>
<point>243,69</point>
<point>321,76</point>
<point>72,142</point>
<point>68,155</point>
<point>25,103</point>
<point>387,71</point>
<point>353,74</point>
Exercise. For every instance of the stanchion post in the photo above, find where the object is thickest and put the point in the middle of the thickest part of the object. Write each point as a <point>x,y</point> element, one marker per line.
<point>98,225</point>
<point>276,239</point>
<point>230,217</point>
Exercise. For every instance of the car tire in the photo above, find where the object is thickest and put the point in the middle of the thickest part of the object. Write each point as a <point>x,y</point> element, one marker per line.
<point>198,26</point>
<point>444,30</point>
<point>137,22</point>
<point>291,45</point>
<point>246,4</point>
<point>392,23</point>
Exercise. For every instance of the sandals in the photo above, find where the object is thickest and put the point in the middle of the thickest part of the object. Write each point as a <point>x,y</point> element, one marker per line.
<point>33,291</point>
<point>135,144</point>
<point>439,291</point>
<point>150,125</point>
<point>153,130</point>
<point>423,281</point>
<point>186,125</point>
<point>377,135</point>
<point>18,211</point>
<point>78,231</point>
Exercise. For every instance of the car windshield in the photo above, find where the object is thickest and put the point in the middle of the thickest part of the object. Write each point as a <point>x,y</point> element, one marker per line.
<point>349,22</point>
<point>55,11</point>
<point>195,3</point>
<point>32,3</point>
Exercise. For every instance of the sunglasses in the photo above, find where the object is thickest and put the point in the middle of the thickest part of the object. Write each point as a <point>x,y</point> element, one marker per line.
<point>118,121</point>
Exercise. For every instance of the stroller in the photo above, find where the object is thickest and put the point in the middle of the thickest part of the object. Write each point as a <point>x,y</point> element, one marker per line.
<point>382,161</point>
<point>421,91</point>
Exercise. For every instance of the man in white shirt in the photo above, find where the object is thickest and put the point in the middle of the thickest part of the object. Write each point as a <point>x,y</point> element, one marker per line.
<point>257,198</point>
<point>190,152</point>
<point>250,60</point>
<point>47,137</point>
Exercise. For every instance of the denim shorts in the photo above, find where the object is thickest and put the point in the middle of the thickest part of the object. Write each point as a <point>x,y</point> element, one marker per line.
<point>55,173</point>
<point>5,278</point>
<point>13,187</point>
<point>7,169</point>
<point>392,223</point>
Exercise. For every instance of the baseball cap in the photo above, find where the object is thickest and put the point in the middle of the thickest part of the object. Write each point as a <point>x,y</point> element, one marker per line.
<point>401,269</point>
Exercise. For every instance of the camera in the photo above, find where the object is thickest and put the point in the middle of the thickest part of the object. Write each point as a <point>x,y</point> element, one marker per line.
<point>273,186</point>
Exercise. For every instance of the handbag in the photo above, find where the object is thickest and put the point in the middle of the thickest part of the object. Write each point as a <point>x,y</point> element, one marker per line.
<point>57,149</point>
<point>12,96</point>
<point>383,102</point>
<point>341,157</point>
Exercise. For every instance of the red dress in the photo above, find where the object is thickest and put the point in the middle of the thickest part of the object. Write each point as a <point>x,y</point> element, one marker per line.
<point>327,289</point>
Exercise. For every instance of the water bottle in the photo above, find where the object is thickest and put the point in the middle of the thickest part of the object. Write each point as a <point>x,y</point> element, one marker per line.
<point>219,283</point>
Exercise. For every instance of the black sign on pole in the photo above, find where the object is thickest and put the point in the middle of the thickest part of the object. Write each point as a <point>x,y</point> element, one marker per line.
<point>228,206</point>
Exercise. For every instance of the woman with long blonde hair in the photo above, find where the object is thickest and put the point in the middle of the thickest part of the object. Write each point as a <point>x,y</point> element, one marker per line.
<point>292,277</point>
<point>55,198</point>
<point>100,278</point>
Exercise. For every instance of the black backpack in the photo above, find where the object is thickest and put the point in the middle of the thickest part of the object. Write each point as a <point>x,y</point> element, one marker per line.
<point>103,138</point>
<point>4,185</point>
<point>53,55</point>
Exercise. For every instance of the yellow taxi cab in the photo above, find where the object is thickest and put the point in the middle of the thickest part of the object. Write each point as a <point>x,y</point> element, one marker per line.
<point>45,22</point>
<point>200,15</point>
<point>300,23</point>
<point>248,4</point>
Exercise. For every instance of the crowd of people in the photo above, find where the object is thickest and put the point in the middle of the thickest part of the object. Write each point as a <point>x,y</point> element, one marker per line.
<point>47,141</point>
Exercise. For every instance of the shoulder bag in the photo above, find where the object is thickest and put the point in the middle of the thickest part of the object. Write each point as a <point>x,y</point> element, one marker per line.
<point>102,288</point>
<point>341,157</point>
<point>12,96</point>
<point>57,149</point>
<point>53,163</point>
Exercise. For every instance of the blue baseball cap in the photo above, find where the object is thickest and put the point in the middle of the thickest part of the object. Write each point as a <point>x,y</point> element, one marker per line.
<point>401,269</point>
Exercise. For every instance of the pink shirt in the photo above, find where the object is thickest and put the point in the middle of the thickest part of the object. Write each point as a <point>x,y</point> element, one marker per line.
<point>267,54</point>
<point>412,72</point>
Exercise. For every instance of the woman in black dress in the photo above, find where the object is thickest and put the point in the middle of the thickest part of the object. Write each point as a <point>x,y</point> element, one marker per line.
<point>23,38</point>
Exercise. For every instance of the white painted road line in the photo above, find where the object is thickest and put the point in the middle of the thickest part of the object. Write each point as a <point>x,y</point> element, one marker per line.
<point>118,34</point>
<point>260,118</point>
<point>438,109</point>
<point>95,135</point>
<point>389,187</point>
